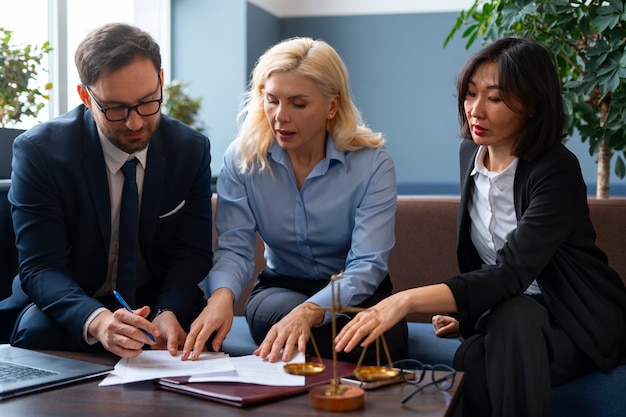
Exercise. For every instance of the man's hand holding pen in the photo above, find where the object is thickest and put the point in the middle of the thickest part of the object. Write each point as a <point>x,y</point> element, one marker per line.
<point>123,332</point>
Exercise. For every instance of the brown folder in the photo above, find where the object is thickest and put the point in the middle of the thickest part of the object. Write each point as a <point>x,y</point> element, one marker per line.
<point>244,395</point>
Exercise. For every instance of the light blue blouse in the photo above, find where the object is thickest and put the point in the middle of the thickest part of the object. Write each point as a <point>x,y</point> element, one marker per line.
<point>342,218</point>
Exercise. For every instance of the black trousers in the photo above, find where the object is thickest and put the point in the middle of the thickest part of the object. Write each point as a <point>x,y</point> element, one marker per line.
<point>513,360</point>
<point>275,295</point>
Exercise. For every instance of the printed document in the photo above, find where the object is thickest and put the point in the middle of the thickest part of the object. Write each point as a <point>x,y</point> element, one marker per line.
<point>209,367</point>
<point>255,370</point>
<point>154,364</point>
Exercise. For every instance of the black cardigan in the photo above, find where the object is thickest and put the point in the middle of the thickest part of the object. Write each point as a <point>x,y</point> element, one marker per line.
<point>554,243</point>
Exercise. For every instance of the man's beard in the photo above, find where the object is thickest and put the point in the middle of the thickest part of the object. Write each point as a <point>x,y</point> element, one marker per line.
<point>113,136</point>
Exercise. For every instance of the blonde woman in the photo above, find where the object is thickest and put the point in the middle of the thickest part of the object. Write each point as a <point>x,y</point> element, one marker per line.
<point>319,187</point>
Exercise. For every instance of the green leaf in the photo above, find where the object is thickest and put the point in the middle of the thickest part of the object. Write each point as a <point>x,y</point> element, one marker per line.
<point>470,30</point>
<point>620,167</point>
<point>605,21</point>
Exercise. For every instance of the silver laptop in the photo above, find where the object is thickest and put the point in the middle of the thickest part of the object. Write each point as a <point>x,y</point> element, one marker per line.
<point>23,371</point>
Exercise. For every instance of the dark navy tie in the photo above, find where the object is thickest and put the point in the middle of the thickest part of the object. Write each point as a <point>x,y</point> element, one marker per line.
<point>128,234</point>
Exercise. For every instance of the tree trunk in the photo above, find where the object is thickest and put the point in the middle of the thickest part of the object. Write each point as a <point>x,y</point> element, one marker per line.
<point>604,170</point>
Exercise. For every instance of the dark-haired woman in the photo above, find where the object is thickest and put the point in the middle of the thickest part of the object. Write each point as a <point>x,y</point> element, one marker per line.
<point>536,301</point>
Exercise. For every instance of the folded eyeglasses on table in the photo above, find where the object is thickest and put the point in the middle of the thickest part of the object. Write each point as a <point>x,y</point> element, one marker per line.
<point>441,376</point>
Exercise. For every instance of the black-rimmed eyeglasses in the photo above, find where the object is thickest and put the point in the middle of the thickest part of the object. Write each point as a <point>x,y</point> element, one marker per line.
<point>119,113</point>
<point>442,376</point>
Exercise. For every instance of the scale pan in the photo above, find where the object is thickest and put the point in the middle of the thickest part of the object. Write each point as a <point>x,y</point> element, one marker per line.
<point>375,373</point>
<point>305,368</point>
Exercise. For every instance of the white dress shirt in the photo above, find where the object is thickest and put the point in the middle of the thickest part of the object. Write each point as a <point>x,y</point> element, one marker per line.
<point>114,158</point>
<point>492,210</point>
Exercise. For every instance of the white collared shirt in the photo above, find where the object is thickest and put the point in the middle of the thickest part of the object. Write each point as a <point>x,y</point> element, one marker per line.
<point>114,158</point>
<point>492,209</point>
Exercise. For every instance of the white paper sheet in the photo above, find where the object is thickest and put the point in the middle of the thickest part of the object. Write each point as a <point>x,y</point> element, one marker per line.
<point>255,370</point>
<point>153,364</point>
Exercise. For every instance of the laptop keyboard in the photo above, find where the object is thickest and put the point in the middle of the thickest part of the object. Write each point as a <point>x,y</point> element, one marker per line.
<point>10,372</point>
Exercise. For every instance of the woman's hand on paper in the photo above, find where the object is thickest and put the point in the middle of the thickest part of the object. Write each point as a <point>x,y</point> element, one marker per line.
<point>292,331</point>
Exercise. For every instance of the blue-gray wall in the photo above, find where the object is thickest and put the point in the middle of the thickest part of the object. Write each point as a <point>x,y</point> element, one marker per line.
<point>209,56</point>
<point>401,78</point>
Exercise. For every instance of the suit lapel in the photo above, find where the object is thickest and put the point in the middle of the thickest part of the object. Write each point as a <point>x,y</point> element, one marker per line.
<point>519,188</point>
<point>467,157</point>
<point>94,169</point>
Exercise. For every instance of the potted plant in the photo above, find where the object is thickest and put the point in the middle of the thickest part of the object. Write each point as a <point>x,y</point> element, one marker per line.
<point>20,98</point>
<point>179,105</point>
<point>587,39</point>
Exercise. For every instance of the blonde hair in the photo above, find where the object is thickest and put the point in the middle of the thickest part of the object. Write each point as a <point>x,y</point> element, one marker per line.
<point>318,61</point>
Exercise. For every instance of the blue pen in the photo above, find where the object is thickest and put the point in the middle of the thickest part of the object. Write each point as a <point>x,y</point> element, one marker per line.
<point>127,307</point>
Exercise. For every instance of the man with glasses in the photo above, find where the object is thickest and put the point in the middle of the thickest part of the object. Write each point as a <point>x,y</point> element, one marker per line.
<point>112,196</point>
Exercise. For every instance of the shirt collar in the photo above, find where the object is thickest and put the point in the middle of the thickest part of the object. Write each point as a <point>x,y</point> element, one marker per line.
<point>279,155</point>
<point>478,161</point>
<point>502,179</point>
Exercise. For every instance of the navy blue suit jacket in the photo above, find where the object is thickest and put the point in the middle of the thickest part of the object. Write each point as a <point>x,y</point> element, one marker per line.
<point>61,215</point>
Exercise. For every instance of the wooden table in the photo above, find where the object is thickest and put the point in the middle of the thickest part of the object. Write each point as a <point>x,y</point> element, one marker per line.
<point>87,399</point>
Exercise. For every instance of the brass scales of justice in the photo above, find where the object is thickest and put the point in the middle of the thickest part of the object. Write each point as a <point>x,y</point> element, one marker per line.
<point>335,396</point>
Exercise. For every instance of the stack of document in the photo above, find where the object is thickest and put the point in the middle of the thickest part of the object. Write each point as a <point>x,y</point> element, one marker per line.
<point>209,367</point>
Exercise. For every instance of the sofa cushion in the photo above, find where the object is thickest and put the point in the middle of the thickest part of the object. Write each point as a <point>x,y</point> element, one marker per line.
<point>596,394</point>
<point>427,348</point>
<point>239,341</point>
<point>609,221</point>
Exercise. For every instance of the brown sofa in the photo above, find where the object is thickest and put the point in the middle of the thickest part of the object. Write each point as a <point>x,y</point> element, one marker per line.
<point>425,249</point>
